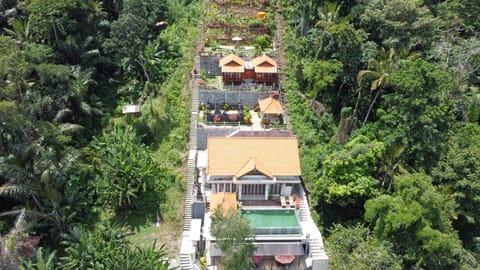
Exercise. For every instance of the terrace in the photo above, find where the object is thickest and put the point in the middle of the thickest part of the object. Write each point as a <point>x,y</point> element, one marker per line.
<point>282,242</point>
<point>237,115</point>
<point>265,257</point>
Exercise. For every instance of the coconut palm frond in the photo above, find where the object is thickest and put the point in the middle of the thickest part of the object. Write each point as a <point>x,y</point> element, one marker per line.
<point>86,109</point>
<point>14,190</point>
<point>69,128</point>
<point>363,74</point>
<point>97,112</point>
<point>62,115</point>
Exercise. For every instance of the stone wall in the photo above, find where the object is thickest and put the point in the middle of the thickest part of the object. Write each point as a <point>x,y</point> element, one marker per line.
<point>245,98</point>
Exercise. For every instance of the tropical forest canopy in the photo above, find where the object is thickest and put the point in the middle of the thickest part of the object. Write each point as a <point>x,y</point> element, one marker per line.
<point>77,176</point>
<point>392,161</point>
<point>382,94</point>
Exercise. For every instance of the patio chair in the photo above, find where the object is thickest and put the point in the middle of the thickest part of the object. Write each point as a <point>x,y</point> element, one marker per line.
<point>283,201</point>
<point>291,201</point>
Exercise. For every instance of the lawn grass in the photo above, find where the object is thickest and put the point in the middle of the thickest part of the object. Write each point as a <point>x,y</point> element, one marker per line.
<point>214,82</point>
<point>168,233</point>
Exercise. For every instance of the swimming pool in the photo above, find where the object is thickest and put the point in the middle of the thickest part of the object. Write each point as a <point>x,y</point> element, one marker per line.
<point>273,221</point>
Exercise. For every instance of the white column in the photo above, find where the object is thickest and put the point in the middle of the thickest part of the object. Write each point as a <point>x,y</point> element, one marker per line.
<point>239,187</point>
<point>203,176</point>
<point>267,186</point>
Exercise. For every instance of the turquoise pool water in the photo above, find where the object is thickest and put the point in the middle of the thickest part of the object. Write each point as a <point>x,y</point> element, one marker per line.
<point>271,218</point>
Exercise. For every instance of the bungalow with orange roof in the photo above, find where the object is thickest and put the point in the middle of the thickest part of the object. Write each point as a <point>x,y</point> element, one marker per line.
<point>261,69</point>
<point>266,69</point>
<point>233,68</point>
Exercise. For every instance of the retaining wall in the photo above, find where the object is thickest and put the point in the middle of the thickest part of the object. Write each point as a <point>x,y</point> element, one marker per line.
<point>246,98</point>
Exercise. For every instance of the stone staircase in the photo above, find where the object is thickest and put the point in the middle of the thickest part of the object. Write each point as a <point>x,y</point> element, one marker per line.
<point>316,248</point>
<point>189,194</point>
<point>185,262</point>
<point>185,256</point>
<point>314,236</point>
<point>304,212</point>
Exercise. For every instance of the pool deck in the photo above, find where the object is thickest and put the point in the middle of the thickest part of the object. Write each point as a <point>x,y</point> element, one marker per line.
<point>264,204</point>
<point>261,204</point>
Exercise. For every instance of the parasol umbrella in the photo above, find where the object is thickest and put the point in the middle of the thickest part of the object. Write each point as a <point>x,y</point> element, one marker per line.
<point>257,259</point>
<point>261,14</point>
<point>236,39</point>
<point>284,259</point>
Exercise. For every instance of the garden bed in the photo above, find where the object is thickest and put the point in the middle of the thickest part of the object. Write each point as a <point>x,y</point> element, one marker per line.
<point>225,114</point>
<point>227,19</point>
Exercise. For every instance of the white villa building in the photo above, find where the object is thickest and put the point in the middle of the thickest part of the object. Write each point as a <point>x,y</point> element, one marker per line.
<point>261,178</point>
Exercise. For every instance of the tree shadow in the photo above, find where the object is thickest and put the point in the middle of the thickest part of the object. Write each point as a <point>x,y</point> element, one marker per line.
<point>136,220</point>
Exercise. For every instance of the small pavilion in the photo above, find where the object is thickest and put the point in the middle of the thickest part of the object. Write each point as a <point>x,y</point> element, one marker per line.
<point>270,109</point>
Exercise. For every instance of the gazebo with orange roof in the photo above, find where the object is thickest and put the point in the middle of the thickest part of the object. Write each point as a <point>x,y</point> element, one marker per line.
<point>270,109</point>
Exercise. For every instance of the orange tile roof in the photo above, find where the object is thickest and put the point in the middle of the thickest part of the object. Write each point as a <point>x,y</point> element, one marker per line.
<point>237,156</point>
<point>264,64</point>
<point>270,105</point>
<point>252,165</point>
<point>232,63</point>
<point>233,69</point>
<point>225,200</point>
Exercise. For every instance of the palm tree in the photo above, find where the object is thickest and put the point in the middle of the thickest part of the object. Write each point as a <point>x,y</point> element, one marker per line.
<point>390,165</point>
<point>153,68</point>
<point>305,7</point>
<point>328,15</point>
<point>37,182</point>
<point>379,70</point>
<point>20,29</point>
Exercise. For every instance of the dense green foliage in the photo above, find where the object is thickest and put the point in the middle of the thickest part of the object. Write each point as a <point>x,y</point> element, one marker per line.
<point>356,248</point>
<point>234,237</point>
<point>383,96</point>
<point>127,171</point>
<point>68,157</point>
<point>348,178</point>
<point>107,248</point>
<point>416,218</point>
<point>396,147</point>
<point>458,172</point>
